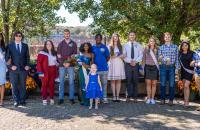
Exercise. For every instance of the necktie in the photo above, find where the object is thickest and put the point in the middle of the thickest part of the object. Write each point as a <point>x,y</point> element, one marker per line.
<point>18,48</point>
<point>132,51</point>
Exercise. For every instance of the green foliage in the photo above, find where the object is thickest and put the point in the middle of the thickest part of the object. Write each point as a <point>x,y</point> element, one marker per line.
<point>146,17</point>
<point>33,17</point>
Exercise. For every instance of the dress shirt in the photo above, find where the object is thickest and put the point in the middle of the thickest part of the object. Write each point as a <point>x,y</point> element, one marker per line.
<point>138,52</point>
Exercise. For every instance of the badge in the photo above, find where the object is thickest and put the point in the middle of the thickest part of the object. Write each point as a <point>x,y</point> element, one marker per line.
<point>102,49</point>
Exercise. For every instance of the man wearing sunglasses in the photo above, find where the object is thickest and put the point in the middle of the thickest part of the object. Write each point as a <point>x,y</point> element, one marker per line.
<point>18,54</point>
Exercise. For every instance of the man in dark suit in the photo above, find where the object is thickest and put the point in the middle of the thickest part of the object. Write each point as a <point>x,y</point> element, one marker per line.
<point>18,54</point>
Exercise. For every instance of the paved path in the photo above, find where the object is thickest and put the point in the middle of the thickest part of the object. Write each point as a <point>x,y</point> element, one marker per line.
<point>113,116</point>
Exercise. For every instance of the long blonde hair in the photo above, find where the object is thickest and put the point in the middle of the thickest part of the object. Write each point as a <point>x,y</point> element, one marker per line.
<point>155,49</point>
<point>112,44</point>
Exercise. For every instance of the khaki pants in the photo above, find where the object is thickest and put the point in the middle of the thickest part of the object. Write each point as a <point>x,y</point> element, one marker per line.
<point>197,81</point>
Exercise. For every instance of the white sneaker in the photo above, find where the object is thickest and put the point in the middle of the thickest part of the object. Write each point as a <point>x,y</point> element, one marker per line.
<point>96,107</point>
<point>153,101</point>
<point>148,101</point>
<point>90,107</point>
<point>51,102</point>
<point>44,102</point>
<point>105,100</point>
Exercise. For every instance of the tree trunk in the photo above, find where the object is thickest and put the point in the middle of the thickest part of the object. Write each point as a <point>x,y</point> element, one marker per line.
<point>5,5</point>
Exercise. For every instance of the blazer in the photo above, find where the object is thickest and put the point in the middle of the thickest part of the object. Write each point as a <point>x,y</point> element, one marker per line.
<point>19,59</point>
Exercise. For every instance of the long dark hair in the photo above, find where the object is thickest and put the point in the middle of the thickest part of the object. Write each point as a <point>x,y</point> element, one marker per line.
<point>53,51</point>
<point>185,42</point>
<point>82,50</point>
<point>112,44</point>
<point>2,42</point>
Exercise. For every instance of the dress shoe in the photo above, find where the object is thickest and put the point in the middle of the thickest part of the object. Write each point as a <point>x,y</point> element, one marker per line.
<point>72,101</point>
<point>61,101</point>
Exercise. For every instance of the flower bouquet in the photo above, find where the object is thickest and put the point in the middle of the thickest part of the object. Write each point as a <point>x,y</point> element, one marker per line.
<point>71,59</point>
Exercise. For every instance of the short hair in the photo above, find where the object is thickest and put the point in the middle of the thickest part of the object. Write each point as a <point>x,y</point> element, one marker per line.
<point>98,35</point>
<point>66,30</point>
<point>132,32</point>
<point>16,33</point>
<point>167,33</point>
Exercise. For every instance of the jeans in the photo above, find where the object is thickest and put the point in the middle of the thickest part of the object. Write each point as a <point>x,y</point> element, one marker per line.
<point>103,77</point>
<point>62,73</point>
<point>167,72</point>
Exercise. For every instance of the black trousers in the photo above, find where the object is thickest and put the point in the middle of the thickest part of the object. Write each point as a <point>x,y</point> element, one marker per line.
<point>132,80</point>
<point>18,82</point>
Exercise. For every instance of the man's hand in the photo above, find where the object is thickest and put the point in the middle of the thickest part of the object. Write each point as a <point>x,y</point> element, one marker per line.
<point>133,63</point>
<point>27,68</point>
<point>59,55</point>
<point>13,67</point>
<point>66,65</point>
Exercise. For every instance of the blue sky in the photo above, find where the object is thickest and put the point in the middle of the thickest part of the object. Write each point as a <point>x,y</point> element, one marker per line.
<point>72,19</point>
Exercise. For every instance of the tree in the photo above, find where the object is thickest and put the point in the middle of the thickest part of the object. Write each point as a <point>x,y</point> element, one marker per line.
<point>32,17</point>
<point>146,17</point>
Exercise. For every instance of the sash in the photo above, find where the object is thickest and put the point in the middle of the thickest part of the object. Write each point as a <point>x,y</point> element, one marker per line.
<point>85,74</point>
<point>154,59</point>
<point>187,70</point>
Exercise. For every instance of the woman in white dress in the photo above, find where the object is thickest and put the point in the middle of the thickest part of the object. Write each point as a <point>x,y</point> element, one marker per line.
<point>2,68</point>
<point>116,71</point>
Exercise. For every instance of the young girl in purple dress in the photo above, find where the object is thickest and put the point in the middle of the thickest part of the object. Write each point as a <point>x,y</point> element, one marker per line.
<point>93,87</point>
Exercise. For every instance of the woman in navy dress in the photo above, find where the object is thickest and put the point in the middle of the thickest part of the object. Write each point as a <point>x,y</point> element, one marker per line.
<point>185,58</point>
<point>93,87</point>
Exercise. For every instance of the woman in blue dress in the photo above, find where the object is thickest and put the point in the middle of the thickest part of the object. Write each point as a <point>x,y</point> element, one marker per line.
<point>93,87</point>
<point>85,60</point>
<point>2,68</point>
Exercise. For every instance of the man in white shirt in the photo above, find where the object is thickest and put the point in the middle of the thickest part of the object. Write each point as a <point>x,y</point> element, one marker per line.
<point>133,53</point>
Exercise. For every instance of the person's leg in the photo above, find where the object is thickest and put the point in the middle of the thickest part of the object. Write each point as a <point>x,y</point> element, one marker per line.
<point>62,73</point>
<point>171,83</point>
<point>14,79</point>
<point>135,82</point>
<point>103,77</point>
<point>70,71</point>
<point>44,88</point>
<point>153,91</point>
<point>96,103</point>
<point>22,87</point>
<point>2,90</point>
<point>129,78</point>
<point>118,88</point>
<point>148,84</point>
<point>163,77</point>
<point>186,92</point>
<point>113,86</point>
<point>51,81</point>
<point>197,81</point>
<point>91,103</point>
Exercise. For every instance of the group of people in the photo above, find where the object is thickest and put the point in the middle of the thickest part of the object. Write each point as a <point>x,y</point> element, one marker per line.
<point>99,63</point>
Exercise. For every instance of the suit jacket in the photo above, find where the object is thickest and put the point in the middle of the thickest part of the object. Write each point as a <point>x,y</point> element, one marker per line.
<point>19,59</point>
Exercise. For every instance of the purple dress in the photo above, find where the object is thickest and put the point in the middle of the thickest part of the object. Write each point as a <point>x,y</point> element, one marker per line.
<point>93,88</point>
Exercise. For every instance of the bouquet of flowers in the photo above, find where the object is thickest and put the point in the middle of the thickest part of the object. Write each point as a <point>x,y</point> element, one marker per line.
<point>71,59</point>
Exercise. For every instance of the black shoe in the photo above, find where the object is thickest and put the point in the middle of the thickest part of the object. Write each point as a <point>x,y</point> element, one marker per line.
<point>72,101</point>
<point>162,102</point>
<point>23,103</point>
<point>16,104</point>
<point>61,101</point>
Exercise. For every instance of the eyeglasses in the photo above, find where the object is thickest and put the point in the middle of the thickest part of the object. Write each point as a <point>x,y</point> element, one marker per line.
<point>18,35</point>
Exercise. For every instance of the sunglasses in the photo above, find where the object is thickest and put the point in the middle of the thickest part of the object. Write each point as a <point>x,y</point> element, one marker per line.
<point>18,35</point>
